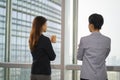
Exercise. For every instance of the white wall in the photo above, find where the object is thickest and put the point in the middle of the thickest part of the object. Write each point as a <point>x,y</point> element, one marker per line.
<point>110,9</point>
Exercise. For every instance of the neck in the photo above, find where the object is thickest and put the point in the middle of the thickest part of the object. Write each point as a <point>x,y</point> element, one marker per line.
<point>41,33</point>
<point>95,30</point>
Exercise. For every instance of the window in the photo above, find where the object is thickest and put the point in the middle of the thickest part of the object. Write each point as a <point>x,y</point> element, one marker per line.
<point>2,35</point>
<point>23,13</point>
<point>111,25</point>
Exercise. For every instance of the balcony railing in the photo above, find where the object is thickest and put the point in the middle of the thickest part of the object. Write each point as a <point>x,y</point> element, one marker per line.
<point>112,70</point>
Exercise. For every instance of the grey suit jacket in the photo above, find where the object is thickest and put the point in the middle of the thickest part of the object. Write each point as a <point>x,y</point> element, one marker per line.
<point>93,50</point>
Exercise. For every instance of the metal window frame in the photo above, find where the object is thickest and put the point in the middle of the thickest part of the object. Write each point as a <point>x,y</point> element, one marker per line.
<point>75,35</point>
<point>7,37</point>
<point>62,76</point>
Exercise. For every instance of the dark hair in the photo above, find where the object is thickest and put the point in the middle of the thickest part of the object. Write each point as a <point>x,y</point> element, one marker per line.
<point>97,20</point>
<point>36,31</point>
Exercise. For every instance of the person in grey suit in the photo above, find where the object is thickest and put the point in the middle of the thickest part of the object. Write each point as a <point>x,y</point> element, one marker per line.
<point>93,51</point>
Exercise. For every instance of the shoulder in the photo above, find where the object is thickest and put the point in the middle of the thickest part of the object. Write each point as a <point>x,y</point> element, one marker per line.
<point>43,39</point>
<point>106,38</point>
<point>46,39</point>
<point>84,38</point>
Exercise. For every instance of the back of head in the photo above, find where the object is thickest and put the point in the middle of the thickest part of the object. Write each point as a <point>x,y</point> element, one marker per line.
<point>97,20</point>
<point>36,30</point>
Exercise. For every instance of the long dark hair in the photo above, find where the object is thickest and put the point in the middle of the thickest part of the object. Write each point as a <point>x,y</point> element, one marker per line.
<point>36,31</point>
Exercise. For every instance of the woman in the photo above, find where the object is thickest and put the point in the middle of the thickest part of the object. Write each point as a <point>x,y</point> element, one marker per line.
<point>41,50</point>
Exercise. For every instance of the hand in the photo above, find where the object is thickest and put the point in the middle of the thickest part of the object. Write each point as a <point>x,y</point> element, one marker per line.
<point>53,38</point>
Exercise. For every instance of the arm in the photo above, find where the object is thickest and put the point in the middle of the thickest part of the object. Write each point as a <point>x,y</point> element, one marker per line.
<point>80,52</point>
<point>49,50</point>
<point>109,49</point>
